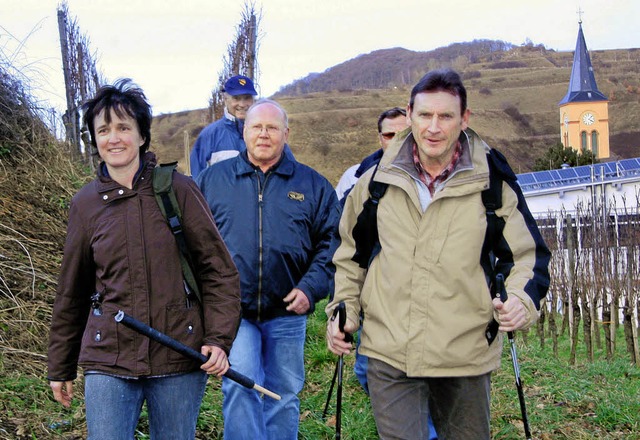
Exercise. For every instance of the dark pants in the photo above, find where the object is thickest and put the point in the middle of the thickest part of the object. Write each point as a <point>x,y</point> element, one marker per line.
<point>401,404</point>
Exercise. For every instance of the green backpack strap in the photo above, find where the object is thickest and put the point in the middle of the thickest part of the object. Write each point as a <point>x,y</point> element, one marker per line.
<point>166,198</point>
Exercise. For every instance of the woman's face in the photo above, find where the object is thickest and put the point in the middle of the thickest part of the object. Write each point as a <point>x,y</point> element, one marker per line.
<point>118,141</point>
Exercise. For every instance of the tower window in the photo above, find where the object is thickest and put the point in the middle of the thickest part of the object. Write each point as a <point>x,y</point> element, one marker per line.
<point>594,143</point>
<point>583,141</point>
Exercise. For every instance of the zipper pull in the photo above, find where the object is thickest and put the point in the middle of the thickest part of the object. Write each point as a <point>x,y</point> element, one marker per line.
<point>96,303</point>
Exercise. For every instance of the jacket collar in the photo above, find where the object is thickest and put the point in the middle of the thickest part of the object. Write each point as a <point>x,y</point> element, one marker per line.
<point>284,167</point>
<point>473,157</point>
<point>237,124</point>
<point>111,190</point>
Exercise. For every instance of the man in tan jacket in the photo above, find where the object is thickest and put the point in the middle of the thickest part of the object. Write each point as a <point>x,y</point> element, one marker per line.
<point>425,297</point>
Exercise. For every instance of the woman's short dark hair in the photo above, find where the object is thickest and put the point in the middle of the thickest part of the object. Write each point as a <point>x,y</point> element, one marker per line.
<point>442,80</point>
<point>125,98</point>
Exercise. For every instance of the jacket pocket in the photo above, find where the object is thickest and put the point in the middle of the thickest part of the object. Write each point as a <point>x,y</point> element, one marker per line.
<point>99,341</point>
<point>184,325</point>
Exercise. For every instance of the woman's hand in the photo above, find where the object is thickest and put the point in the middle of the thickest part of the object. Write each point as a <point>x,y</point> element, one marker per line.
<point>62,391</point>
<point>218,364</point>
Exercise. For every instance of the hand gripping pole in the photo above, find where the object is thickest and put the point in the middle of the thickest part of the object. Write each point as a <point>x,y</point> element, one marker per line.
<point>341,312</point>
<point>189,352</point>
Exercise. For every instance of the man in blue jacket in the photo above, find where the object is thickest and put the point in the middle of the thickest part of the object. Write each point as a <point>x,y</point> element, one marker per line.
<point>222,139</point>
<point>278,218</point>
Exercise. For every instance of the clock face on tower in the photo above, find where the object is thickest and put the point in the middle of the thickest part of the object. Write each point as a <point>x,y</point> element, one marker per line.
<point>588,118</point>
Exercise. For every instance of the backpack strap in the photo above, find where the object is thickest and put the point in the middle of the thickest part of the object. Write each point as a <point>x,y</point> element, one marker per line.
<point>499,171</point>
<point>365,232</point>
<point>492,201</point>
<point>166,198</point>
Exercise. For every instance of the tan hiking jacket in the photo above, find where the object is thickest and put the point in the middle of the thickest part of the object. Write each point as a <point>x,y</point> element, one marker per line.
<point>425,299</point>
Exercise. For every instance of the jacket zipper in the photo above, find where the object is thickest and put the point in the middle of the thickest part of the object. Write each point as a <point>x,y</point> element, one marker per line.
<point>261,186</point>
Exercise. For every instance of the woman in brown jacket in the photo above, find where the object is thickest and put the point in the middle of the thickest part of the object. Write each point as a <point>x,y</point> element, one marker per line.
<point>120,254</point>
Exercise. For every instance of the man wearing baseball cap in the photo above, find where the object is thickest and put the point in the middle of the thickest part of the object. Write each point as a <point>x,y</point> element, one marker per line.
<point>222,139</point>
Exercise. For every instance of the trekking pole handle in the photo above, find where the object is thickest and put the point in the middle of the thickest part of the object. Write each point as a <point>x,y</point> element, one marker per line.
<point>501,291</point>
<point>341,312</point>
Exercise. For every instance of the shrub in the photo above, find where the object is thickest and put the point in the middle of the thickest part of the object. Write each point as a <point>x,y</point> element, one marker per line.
<point>515,114</point>
<point>507,65</point>
<point>471,74</point>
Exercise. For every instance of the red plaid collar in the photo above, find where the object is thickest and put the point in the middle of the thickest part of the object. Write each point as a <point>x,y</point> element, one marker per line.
<point>426,178</point>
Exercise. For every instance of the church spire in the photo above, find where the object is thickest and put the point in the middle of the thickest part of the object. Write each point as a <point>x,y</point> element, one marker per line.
<point>582,86</point>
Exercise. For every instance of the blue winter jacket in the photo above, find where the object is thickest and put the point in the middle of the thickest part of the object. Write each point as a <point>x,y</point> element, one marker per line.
<point>221,135</point>
<point>279,227</point>
<point>218,141</point>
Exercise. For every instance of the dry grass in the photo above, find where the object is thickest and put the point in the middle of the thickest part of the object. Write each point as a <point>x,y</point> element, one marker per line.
<point>37,180</point>
<point>35,195</point>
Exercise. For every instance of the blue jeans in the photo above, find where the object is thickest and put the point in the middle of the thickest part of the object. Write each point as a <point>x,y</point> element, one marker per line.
<point>113,405</point>
<point>272,354</point>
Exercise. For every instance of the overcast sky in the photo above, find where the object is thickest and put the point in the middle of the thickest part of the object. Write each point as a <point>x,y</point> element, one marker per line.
<point>173,48</point>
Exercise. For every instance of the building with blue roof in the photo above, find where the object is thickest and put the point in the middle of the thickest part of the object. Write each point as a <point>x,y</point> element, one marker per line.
<point>584,110</point>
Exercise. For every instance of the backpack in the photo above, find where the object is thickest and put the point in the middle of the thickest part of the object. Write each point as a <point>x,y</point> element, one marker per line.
<point>365,231</point>
<point>166,198</point>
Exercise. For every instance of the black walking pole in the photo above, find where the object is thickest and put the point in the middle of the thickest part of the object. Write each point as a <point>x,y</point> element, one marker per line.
<point>502,291</point>
<point>187,351</point>
<point>341,312</point>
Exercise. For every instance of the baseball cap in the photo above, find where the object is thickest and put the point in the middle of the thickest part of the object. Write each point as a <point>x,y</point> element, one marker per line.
<point>239,85</point>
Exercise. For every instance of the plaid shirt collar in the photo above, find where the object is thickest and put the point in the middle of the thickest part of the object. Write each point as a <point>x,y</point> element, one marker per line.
<point>426,178</point>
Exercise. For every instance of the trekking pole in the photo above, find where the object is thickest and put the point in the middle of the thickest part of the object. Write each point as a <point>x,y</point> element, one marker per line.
<point>333,382</point>
<point>185,350</point>
<point>341,312</point>
<point>502,291</point>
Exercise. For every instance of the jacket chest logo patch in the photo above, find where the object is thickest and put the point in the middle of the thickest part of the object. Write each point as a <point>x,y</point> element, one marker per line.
<point>296,196</point>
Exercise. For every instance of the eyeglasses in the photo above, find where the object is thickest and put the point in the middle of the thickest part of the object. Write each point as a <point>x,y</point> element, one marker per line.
<point>270,129</point>
<point>388,135</point>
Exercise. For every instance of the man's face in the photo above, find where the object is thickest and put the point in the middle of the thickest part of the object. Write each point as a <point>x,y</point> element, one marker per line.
<point>265,134</point>
<point>238,105</point>
<point>436,122</point>
<point>389,127</point>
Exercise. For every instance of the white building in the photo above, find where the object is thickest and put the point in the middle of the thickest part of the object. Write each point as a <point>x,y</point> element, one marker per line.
<point>614,186</point>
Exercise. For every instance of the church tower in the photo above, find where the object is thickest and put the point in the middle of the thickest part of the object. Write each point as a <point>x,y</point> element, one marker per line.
<point>584,111</point>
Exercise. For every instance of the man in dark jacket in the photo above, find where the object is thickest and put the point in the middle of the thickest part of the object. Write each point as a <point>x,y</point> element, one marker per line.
<point>278,218</point>
<point>390,122</point>
<point>223,139</point>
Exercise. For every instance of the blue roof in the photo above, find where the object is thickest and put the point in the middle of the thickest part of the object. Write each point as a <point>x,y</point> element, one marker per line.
<point>582,85</point>
<point>577,175</point>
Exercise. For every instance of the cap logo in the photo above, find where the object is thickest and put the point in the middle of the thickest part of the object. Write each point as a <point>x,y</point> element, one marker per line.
<point>242,82</point>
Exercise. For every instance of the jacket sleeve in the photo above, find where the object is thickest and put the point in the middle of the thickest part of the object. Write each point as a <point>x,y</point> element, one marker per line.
<point>317,282</point>
<point>522,245</point>
<point>349,276</point>
<point>200,153</point>
<point>217,274</point>
<point>72,301</point>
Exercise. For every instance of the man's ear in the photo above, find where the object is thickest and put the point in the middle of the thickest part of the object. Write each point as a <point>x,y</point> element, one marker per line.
<point>465,119</point>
